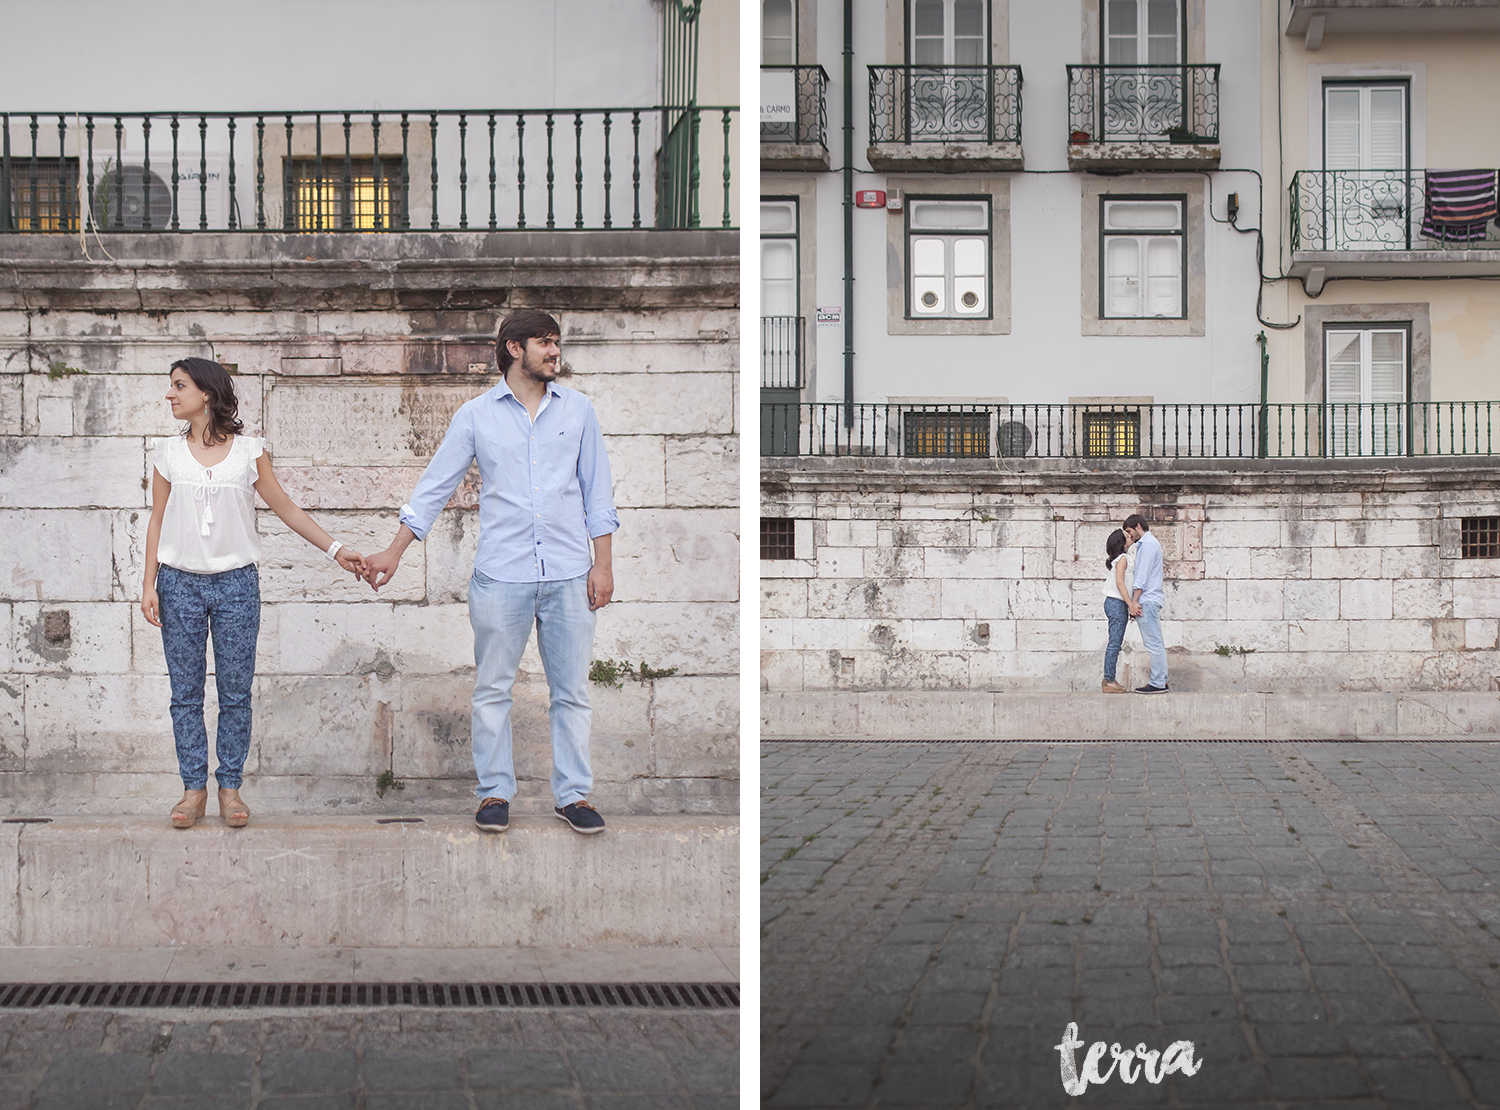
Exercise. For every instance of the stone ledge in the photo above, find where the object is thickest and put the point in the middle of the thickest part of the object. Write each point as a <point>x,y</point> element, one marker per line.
<point>808,157</point>
<point>1115,157</point>
<point>975,715</point>
<point>945,157</point>
<point>133,882</point>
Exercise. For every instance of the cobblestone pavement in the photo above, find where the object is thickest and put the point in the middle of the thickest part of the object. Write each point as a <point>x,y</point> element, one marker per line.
<point>1319,919</point>
<point>69,1059</point>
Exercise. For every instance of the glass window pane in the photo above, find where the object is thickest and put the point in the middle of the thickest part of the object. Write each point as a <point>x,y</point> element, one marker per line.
<point>927,257</point>
<point>1161,17</point>
<point>968,257</point>
<point>968,18</point>
<point>777,45</point>
<point>968,52</point>
<point>935,215</point>
<point>1121,15</point>
<point>778,218</point>
<point>1387,129</point>
<point>778,259</point>
<point>1142,214</point>
<point>927,18</point>
<point>1163,257</point>
<point>1341,115</point>
<point>1122,286</point>
<point>1342,375</point>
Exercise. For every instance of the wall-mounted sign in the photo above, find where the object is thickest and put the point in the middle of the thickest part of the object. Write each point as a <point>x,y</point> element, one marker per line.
<point>778,96</point>
<point>827,317</point>
<point>869,198</point>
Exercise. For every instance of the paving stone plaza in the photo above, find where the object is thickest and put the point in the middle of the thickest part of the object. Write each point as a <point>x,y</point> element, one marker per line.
<point>1320,920</point>
<point>60,1059</point>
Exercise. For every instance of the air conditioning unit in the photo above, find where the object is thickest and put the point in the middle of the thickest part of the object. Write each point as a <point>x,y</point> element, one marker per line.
<point>120,195</point>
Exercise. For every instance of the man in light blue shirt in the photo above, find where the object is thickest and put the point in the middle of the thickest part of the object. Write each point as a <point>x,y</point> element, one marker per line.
<point>1147,593</point>
<point>546,520</point>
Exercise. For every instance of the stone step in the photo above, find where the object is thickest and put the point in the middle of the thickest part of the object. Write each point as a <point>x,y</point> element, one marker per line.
<point>355,882</point>
<point>1063,715</point>
<point>193,964</point>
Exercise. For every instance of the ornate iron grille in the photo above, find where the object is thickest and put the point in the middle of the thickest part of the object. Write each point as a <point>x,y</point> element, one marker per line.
<point>1143,104</point>
<point>954,435</point>
<point>1299,430</point>
<point>809,122</point>
<point>1367,210</point>
<point>778,538</point>
<point>781,352</point>
<point>945,104</point>
<point>1479,537</point>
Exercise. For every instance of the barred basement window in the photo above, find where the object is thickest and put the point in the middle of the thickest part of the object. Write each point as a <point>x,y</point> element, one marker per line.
<point>1111,435</point>
<point>318,195</point>
<point>778,538</point>
<point>1479,537</point>
<point>952,435</point>
<point>56,194</point>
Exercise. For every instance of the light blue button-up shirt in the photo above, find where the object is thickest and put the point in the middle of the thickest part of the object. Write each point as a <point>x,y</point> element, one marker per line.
<point>1148,568</point>
<point>545,484</point>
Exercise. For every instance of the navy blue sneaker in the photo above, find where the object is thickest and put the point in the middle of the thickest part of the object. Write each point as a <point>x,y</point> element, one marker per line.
<point>1150,689</point>
<point>581,817</point>
<point>493,815</point>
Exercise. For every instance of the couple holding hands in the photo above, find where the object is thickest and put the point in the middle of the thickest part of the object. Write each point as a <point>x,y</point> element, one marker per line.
<point>1133,590</point>
<point>546,513</point>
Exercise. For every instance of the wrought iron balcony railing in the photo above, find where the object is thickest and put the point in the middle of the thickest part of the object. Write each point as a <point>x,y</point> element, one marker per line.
<point>1373,210</point>
<point>945,104</point>
<point>1143,104</point>
<point>799,95</point>
<point>781,352</point>
<point>1246,431</point>
<point>575,169</point>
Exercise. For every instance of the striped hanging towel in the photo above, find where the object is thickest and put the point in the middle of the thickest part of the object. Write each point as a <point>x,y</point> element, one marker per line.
<point>1459,204</point>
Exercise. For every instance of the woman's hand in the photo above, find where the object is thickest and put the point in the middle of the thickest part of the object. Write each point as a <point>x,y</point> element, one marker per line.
<point>351,560</point>
<point>151,606</point>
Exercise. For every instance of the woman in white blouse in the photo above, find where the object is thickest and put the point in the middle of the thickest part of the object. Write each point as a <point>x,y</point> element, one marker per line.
<point>201,551</point>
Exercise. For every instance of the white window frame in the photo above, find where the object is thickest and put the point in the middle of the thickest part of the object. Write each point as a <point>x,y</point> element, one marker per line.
<point>1143,238</point>
<point>1142,35</point>
<point>957,278</point>
<point>949,36</point>
<point>765,39</point>
<point>1370,425</point>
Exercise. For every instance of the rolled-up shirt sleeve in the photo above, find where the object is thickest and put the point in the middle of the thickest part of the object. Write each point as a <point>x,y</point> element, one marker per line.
<point>442,475</point>
<point>594,480</point>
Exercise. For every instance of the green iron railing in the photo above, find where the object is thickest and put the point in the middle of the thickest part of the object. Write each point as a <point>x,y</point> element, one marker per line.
<point>1303,430</point>
<point>582,169</point>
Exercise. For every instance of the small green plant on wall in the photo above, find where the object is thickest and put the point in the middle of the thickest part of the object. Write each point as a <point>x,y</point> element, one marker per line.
<point>614,672</point>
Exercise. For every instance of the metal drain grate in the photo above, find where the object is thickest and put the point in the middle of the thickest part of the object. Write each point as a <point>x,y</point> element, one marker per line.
<point>650,996</point>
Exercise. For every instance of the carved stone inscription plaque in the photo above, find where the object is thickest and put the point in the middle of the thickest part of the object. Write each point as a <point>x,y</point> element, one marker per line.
<point>339,423</point>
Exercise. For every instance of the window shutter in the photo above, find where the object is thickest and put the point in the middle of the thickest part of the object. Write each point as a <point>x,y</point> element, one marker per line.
<point>1164,281</point>
<point>778,278</point>
<point>1387,367</point>
<point>1387,129</point>
<point>1341,129</point>
<point>1342,377</point>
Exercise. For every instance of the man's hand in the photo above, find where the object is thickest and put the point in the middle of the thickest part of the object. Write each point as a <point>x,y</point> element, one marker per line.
<point>601,585</point>
<point>1135,610</point>
<point>380,568</point>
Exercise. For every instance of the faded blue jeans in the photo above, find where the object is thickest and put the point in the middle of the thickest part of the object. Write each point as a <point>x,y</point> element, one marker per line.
<point>191,605</point>
<point>1118,614</point>
<point>1149,622</point>
<point>502,615</point>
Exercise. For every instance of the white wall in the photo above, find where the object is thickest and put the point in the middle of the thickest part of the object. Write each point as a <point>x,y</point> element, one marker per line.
<point>155,55</point>
<point>1044,358</point>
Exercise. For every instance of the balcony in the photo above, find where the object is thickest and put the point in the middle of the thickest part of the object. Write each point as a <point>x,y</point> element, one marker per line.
<point>1370,223</point>
<point>1314,19</point>
<point>793,118</point>
<point>945,119</point>
<point>1143,117</point>
<point>1245,431</point>
<point>390,171</point>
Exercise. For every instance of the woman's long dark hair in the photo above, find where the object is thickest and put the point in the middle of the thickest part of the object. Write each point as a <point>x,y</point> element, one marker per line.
<point>223,405</point>
<point>1114,547</point>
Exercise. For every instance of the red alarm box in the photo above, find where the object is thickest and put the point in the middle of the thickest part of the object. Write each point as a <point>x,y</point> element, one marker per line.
<point>869,198</point>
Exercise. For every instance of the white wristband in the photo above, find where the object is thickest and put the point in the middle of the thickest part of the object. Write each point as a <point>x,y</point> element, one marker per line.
<point>333,550</point>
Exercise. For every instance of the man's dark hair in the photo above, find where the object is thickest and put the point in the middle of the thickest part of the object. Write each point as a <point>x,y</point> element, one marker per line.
<point>1135,520</point>
<point>519,326</point>
<point>223,405</point>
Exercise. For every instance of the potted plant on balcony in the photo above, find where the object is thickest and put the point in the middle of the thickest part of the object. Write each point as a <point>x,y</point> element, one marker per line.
<point>1078,137</point>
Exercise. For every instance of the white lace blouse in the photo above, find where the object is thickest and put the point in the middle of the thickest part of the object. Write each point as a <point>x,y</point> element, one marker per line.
<point>209,523</point>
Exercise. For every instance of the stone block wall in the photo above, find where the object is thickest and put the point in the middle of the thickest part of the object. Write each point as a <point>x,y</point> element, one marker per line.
<point>1306,577</point>
<point>351,355</point>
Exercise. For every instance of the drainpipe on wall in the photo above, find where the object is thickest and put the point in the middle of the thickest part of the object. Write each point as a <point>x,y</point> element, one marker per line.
<point>1265,369</point>
<point>848,213</point>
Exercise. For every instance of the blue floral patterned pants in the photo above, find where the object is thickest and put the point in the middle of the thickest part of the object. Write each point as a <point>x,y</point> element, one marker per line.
<point>191,605</point>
